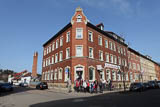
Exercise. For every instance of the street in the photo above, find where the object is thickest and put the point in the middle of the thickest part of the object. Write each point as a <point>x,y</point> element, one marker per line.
<point>28,97</point>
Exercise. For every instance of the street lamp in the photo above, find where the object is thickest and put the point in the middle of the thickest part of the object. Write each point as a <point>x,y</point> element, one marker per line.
<point>123,74</point>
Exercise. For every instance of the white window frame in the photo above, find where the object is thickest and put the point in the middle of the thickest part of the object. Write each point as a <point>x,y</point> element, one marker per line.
<point>114,78</point>
<point>55,74</point>
<point>108,74</point>
<point>66,74</point>
<point>52,59</point>
<point>111,58</point>
<point>44,63</point>
<point>114,46</point>
<point>90,36</point>
<point>67,53</point>
<point>107,57</point>
<point>106,43</point>
<point>100,40</point>
<point>56,57</point>
<point>110,45</point>
<point>51,76</point>
<point>81,33</point>
<point>60,55</point>
<point>61,41</point>
<point>115,59</point>
<point>94,76</point>
<point>100,55</point>
<point>53,46</point>
<point>60,74</point>
<point>68,36</point>
<point>79,18</point>
<point>119,61</point>
<point>91,53</point>
<point>49,61</point>
<point>79,54</point>
<point>57,43</point>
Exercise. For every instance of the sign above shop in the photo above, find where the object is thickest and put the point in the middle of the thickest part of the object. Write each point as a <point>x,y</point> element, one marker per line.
<point>112,66</point>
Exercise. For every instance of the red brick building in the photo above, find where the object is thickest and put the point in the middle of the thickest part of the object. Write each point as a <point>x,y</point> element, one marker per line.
<point>134,65</point>
<point>83,50</point>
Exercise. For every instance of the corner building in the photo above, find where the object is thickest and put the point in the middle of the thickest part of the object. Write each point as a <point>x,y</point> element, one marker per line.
<point>83,50</point>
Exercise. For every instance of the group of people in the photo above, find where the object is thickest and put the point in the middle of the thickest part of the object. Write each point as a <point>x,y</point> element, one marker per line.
<point>81,85</point>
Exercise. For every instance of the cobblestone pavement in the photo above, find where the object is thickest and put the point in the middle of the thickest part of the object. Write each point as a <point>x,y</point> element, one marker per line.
<point>24,97</point>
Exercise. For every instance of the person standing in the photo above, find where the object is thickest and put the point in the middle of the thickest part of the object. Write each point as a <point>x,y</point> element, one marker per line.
<point>110,85</point>
<point>85,86</point>
<point>69,84</point>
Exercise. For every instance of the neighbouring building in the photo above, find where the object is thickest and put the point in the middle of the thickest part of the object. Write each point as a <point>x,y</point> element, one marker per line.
<point>83,50</point>
<point>147,68</point>
<point>34,66</point>
<point>134,65</point>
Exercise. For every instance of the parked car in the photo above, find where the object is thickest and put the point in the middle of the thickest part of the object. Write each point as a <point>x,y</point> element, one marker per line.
<point>25,84</point>
<point>158,83</point>
<point>42,85</point>
<point>146,85</point>
<point>138,86</point>
<point>0,87</point>
<point>153,84</point>
<point>6,87</point>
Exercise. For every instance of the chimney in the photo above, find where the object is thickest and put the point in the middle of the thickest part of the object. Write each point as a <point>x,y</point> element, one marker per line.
<point>100,26</point>
<point>34,66</point>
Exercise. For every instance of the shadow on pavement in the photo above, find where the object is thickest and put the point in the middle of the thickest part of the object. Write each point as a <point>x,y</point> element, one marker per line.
<point>116,99</point>
<point>16,89</point>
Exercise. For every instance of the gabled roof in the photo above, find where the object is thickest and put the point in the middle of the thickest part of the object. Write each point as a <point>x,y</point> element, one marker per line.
<point>60,32</point>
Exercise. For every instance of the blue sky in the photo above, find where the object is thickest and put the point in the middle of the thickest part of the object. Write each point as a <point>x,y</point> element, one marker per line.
<point>25,25</point>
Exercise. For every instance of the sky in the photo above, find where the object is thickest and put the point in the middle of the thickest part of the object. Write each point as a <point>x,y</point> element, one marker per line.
<point>25,25</point>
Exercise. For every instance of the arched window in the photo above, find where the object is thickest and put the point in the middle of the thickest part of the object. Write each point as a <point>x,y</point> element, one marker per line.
<point>79,18</point>
<point>91,74</point>
<point>67,74</point>
<point>60,74</point>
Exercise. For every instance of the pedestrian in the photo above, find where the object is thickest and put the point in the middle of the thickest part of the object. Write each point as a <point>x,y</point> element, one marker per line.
<point>110,85</point>
<point>88,86</point>
<point>77,85</point>
<point>101,86</point>
<point>85,86</point>
<point>69,84</point>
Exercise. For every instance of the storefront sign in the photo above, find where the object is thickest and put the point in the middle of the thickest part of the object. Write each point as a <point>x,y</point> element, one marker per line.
<point>112,66</point>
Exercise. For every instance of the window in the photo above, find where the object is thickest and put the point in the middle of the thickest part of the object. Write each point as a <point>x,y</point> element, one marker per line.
<point>67,74</point>
<point>90,52</point>
<point>107,57</point>
<point>57,41</point>
<point>49,61</point>
<point>127,77</point>
<point>90,36</point>
<point>119,60</point>
<point>113,75</point>
<point>44,63</point>
<point>79,18</point>
<point>56,58</point>
<point>52,75</point>
<point>79,51</point>
<point>100,40</point>
<point>61,56</point>
<point>48,77</point>
<point>106,43</point>
<point>68,37</point>
<point>121,50</point>
<point>61,41</point>
<point>53,59</point>
<point>125,62</point>
<point>79,33</point>
<point>138,67</point>
<point>124,51</point>
<point>114,47</point>
<point>45,78</point>
<point>111,57</point>
<point>60,73</point>
<point>91,74</point>
<point>49,48</point>
<point>131,76</point>
<point>118,76</point>
<point>44,52</point>
<point>134,66</point>
<point>67,53</point>
<point>55,74</point>
<point>115,59</point>
<point>53,46</point>
<point>110,45</point>
<point>101,55</point>
<point>108,75</point>
<point>102,75</point>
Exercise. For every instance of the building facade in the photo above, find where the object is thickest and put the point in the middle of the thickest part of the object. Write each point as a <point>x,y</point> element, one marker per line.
<point>134,65</point>
<point>83,50</point>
